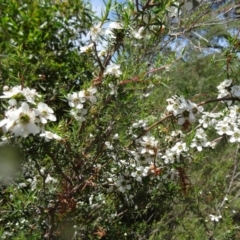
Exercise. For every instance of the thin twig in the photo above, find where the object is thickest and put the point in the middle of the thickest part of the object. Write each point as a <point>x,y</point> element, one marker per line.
<point>59,168</point>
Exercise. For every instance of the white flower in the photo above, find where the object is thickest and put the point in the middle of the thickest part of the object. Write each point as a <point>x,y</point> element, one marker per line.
<point>173,105</point>
<point>111,27</point>
<point>235,137</point>
<point>113,89</point>
<point>169,156</point>
<point>234,112</point>
<point>177,133</point>
<point>102,53</point>
<point>12,102</point>
<point>215,218</point>
<point>21,121</point>
<point>115,25</point>
<point>224,88</point>
<point>30,94</point>
<point>209,119</point>
<point>138,34</point>
<point>139,173</point>
<point>179,147</point>
<point>184,110</point>
<point>87,48</point>
<point>177,104</point>
<point>49,135</point>
<point>79,114</point>
<point>223,127</point>
<point>90,94</point>
<point>45,113</point>
<point>140,124</point>
<point>18,93</point>
<point>95,32</point>
<point>173,11</point>
<point>5,88</point>
<point>109,145</point>
<point>13,92</point>
<point>148,145</point>
<point>33,183</point>
<point>123,185</point>
<point>50,179</point>
<point>200,140</point>
<point>91,200</point>
<point>115,136</point>
<point>7,122</point>
<point>235,91</point>
<point>76,99</point>
<point>225,84</point>
<point>186,116</point>
<point>113,69</point>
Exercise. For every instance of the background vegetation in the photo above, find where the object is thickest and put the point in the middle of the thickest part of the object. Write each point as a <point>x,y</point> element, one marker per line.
<point>82,186</point>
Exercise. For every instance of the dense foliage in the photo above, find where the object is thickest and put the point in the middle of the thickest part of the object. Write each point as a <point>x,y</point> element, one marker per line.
<point>119,126</point>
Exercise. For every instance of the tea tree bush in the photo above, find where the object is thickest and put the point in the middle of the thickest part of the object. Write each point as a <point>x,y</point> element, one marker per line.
<point>123,125</point>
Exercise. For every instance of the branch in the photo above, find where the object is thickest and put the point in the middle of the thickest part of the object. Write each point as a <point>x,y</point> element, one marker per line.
<point>171,115</point>
<point>218,100</point>
<point>161,68</point>
<point>59,168</point>
<point>236,163</point>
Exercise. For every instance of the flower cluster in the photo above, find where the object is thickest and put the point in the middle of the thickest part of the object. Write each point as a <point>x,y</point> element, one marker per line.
<point>97,31</point>
<point>209,119</point>
<point>174,153</point>
<point>87,49</point>
<point>136,127</point>
<point>224,88</point>
<point>230,124</point>
<point>113,89</point>
<point>140,163</point>
<point>113,69</point>
<point>122,184</point>
<point>227,89</point>
<point>147,145</point>
<point>147,160</point>
<point>17,93</point>
<point>23,115</point>
<point>80,101</point>
<point>215,218</point>
<point>200,140</point>
<point>184,110</point>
